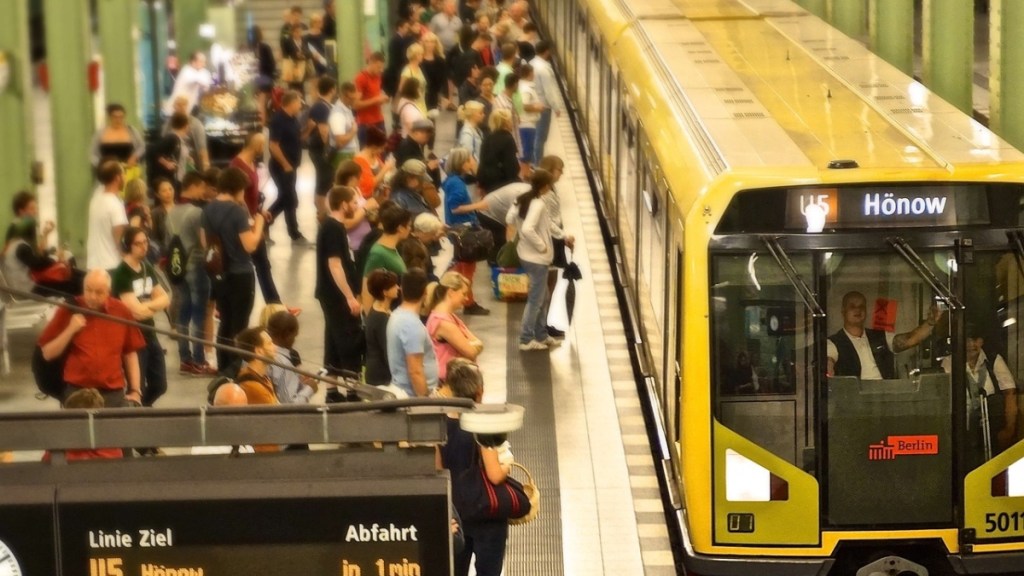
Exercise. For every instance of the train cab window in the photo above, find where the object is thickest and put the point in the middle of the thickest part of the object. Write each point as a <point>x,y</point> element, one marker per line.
<point>993,359</point>
<point>762,350</point>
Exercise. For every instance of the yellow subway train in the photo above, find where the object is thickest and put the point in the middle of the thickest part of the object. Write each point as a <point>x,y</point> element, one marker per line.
<point>823,266</point>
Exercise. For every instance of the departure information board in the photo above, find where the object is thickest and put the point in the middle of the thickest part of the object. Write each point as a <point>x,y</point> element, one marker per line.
<point>217,529</point>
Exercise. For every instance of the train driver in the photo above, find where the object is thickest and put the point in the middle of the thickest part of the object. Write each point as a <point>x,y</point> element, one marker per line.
<point>870,354</point>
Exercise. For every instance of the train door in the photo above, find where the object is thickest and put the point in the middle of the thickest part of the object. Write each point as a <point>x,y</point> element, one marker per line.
<point>651,256</point>
<point>672,369</point>
<point>611,124</point>
<point>627,195</point>
<point>599,99</point>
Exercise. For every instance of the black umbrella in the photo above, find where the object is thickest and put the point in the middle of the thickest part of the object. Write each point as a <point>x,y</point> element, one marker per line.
<point>572,274</point>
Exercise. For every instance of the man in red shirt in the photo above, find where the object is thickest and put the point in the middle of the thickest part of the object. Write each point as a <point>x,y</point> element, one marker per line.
<point>246,162</point>
<point>370,97</point>
<point>101,354</point>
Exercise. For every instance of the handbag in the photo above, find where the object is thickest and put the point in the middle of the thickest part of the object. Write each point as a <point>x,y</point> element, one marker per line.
<point>472,244</point>
<point>53,274</point>
<point>508,255</point>
<point>476,499</point>
<point>532,494</point>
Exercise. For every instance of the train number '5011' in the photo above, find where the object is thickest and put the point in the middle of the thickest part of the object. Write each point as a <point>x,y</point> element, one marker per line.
<point>1004,522</point>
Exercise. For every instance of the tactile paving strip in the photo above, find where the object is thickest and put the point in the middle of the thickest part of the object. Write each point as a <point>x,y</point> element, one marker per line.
<point>536,548</point>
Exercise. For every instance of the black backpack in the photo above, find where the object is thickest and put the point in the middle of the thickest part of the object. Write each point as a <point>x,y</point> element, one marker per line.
<point>177,260</point>
<point>49,374</point>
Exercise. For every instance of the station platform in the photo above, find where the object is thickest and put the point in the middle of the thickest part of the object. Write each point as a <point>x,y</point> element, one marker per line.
<point>584,437</point>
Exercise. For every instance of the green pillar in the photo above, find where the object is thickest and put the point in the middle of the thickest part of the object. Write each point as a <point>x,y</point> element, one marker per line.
<point>849,16</point>
<point>119,27</point>
<point>817,7</point>
<point>371,26</point>
<point>1006,80</point>
<point>152,56</point>
<point>68,48</point>
<point>350,39</point>
<point>383,20</point>
<point>15,107</point>
<point>188,15</point>
<point>891,25</point>
<point>948,50</point>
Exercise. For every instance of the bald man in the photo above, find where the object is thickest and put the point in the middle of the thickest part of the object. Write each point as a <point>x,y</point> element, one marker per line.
<point>866,353</point>
<point>228,394</point>
<point>98,353</point>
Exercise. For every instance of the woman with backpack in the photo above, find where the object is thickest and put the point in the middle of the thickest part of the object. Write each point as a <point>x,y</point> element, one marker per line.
<point>230,242</point>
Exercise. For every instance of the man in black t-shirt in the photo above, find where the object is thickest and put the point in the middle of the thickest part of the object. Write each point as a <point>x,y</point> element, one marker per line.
<point>337,289</point>
<point>135,283</point>
<point>285,157</point>
<point>320,148</point>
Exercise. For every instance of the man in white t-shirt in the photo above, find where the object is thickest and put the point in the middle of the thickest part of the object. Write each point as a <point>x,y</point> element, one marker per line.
<point>342,122</point>
<point>866,353</point>
<point>192,81</point>
<point>107,218</point>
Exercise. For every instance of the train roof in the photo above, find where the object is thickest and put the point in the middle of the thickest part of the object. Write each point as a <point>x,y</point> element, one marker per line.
<point>763,83</point>
<point>715,9</point>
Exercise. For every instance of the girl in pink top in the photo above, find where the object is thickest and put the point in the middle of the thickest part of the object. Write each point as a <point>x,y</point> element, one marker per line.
<point>450,336</point>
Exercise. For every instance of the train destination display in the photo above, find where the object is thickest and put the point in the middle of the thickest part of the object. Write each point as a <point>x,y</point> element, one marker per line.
<point>223,530</point>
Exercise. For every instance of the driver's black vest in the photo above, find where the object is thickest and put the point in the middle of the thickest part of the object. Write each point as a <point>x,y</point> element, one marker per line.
<point>848,363</point>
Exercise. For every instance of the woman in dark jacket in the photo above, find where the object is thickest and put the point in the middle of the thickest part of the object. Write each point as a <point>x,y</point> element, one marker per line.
<point>499,157</point>
<point>435,70</point>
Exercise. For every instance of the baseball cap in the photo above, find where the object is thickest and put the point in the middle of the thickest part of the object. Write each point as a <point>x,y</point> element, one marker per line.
<point>415,167</point>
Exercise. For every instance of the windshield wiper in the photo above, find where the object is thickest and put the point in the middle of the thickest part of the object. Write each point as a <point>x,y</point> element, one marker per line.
<point>904,249</point>
<point>794,277</point>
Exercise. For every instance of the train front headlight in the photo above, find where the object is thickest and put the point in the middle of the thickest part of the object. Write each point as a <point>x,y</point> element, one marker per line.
<point>748,481</point>
<point>1015,479</point>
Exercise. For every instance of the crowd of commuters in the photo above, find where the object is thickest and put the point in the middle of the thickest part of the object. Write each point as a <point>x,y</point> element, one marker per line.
<point>194,246</point>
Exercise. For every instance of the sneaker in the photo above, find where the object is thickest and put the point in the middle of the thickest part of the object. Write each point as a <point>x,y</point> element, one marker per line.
<point>294,311</point>
<point>301,240</point>
<point>477,310</point>
<point>204,369</point>
<point>550,342</point>
<point>187,369</point>
<point>532,346</point>
<point>556,333</point>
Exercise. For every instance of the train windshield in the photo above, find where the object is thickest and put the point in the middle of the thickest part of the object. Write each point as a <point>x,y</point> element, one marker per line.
<point>866,360</point>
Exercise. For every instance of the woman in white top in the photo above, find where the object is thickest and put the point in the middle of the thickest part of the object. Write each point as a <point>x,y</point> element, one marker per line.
<point>529,216</point>
<point>472,115</point>
<point>406,108</point>
<point>414,55</point>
